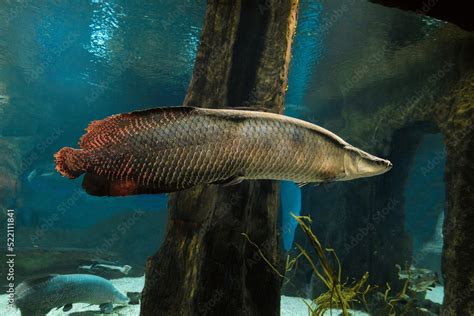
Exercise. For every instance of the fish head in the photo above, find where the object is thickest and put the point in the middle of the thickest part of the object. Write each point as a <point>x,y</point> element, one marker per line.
<point>359,164</point>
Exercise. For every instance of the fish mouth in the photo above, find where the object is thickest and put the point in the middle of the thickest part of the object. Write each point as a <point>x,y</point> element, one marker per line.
<point>381,166</point>
<point>388,165</point>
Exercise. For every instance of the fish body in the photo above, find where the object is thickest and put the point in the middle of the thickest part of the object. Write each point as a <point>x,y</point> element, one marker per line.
<point>32,175</point>
<point>39,296</point>
<point>106,267</point>
<point>170,149</point>
<point>44,170</point>
<point>420,280</point>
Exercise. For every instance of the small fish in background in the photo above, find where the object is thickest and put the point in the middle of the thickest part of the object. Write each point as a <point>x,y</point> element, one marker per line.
<point>4,100</point>
<point>419,279</point>
<point>39,296</point>
<point>170,149</point>
<point>32,175</point>
<point>42,171</point>
<point>103,267</point>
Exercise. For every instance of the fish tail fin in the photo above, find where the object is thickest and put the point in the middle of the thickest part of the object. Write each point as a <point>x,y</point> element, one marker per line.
<point>23,293</point>
<point>70,162</point>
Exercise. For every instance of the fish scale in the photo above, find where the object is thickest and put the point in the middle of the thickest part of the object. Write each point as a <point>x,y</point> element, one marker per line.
<point>38,296</point>
<point>169,149</point>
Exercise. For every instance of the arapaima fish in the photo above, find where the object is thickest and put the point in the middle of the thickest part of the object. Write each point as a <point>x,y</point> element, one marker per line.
<point>40,295</point>
<point>169,149</point>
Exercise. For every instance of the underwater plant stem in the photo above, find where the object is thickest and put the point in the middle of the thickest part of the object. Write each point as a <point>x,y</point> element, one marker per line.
<point>260,252</point>
<point>338,294</point>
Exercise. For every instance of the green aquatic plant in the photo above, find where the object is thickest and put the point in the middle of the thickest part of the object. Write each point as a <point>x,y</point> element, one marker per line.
<point>291,264</point>
<point>260,252</point>
<point>391,301</point>
<point>339,294</point>
<point>400,297</point>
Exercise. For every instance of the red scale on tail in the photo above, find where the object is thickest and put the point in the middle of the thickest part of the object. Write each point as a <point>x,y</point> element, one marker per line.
<point>70,162</point>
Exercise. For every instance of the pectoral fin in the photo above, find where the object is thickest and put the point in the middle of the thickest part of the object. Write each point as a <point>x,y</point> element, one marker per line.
<point>106,308</point>
<point>229,181</point>
<point>67,307</point>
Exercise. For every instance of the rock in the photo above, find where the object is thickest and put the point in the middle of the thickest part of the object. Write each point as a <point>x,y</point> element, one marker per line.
<point>134,297</point>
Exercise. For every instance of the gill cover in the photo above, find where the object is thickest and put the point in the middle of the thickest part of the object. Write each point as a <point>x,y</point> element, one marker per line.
<point>350,164</point>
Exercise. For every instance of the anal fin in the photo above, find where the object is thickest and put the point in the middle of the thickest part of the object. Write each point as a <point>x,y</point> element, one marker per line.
<point>106,308</point>
<point>101,186</point>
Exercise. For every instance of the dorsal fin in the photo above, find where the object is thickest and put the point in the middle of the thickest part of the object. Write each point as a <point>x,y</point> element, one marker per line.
<point>39,280</point>
<point>100,132</point>
<point>108,130</point>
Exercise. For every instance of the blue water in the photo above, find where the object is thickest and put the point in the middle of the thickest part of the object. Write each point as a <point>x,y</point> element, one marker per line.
<point>71,62</point>
<point>425,198</point>
<point>85,61</point>
<point>290,204</point>
<point>66,63</point>
<point>425,190</point>
<point>307,49</point>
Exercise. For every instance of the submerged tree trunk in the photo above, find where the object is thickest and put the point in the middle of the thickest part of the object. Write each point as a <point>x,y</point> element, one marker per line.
<point>458,230</point>
<point>205,266</point>
<point>458,248</point>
